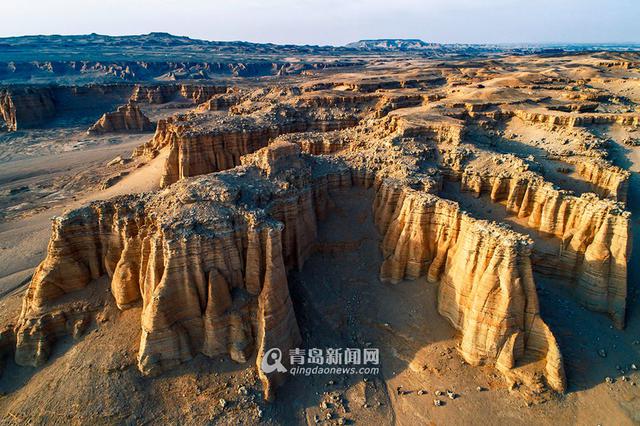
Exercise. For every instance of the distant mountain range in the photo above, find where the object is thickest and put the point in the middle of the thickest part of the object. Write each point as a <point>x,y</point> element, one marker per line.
<point>157,44</point>
<point>393,44</point>
<point>161,56</point>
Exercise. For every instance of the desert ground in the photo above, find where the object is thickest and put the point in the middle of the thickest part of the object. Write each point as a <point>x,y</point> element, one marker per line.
<point>476,217</point>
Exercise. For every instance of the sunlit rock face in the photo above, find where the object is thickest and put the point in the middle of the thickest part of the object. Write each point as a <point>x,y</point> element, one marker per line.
<point>126,119</point>
<point>486,287</point>
<point>209,272</point>
<point>594,234</point>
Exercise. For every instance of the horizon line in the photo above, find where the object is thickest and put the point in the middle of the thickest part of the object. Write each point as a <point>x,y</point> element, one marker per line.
<point>511,43</point>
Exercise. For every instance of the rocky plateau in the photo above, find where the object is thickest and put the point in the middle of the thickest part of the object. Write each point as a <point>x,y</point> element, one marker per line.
<point>473,213</point>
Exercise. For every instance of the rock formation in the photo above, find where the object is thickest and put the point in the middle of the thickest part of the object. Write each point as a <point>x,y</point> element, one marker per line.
<point>126,119</point>
<point>201,143</point>
<point>594,233</point>
<point>31,107</point>
<point>564,119</point>
<point>163,93</point>
<point>218,247</point>
<point>607,179</point>
<point>486,287</point>
<point>221,264</point>
<point>26,107</point>
<point>220,102</point>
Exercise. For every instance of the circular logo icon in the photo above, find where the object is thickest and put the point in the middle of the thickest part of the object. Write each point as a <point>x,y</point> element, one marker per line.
<point>272,361</point>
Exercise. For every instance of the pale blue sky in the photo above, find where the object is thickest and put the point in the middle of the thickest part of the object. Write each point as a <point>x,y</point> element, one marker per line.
<point>334,21</point>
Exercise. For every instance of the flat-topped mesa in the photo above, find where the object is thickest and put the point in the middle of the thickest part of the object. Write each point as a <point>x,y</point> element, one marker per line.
<point>486,288</point>
<point>421,122</point>
<point>217,248</point>
<point>26,107</point>
<point>392,82</point>
<point>594,233</point>
<point>126,119</point>
<point>201,143</point>
<point>310,100</point>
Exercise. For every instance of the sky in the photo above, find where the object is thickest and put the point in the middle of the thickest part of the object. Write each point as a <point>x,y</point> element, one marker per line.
<point>335,21</point>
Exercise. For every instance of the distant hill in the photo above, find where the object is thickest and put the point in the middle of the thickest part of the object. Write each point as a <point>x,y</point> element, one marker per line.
<point>401,44</point>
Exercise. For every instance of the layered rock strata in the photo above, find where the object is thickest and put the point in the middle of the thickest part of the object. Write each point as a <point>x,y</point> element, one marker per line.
<point>607,180</point>
<point>563,119</point>
<point>219,102</point>
<point>439,128</point>
<point>218,247</point>
<point>126,119</point>
<point>594,233</point>
<point>24,107</point>
<point>209,271</point>
<point>160,94</point>
<point>316,143</point>
<point>486,287</point>
<point>201,143</point>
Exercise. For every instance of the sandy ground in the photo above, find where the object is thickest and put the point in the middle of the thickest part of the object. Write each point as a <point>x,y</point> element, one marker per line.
<point>57,182</point>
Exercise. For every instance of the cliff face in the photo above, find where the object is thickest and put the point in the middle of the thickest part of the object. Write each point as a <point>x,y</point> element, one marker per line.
<point>211,275</point>
<point>441,129</point>
<point>203,143</point>
<point>163,93</point>
<point>153,94</point>
<point>315,143</point>
<point>607,179</point>
<point>126,119</point>
<point>594,234</point>
<point>219,102</point>
<point>23,108</point>
<point>564,119</point>
<point>486,287</point>
<point>31,107</point>
<point>26,107</point>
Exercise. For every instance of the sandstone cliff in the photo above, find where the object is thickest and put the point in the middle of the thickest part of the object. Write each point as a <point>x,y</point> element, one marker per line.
<point>126,119</point>
<point>220,102</point>
<point>594,233</point>
<point>608,180</point>
<point>163,93</point>
<point>564,119</point>
<point>201,143</point>
<point>220,264</point>
<point>486,287</point>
